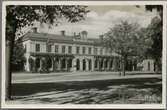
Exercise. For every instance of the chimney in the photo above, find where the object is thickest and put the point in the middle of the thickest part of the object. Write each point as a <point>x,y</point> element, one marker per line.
<point>63,33</point>
<point>84,34</point>
<point>34,30</point>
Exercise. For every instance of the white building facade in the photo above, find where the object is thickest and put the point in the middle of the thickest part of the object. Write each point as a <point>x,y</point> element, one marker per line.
<point>68,53</point>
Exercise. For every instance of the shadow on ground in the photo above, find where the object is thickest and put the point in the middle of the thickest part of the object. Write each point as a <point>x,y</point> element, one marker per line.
<point>24,89</point>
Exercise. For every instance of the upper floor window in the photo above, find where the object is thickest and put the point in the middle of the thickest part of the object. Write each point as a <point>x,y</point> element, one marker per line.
<point>56,48</point>
<point>83,50</point>
<point>95,51</point>
<point>49,48</point>
<point>37,47</point>
<point>70,49</point>
<point>77,50</point>
<point>63,49</point>
<point>90,50</point>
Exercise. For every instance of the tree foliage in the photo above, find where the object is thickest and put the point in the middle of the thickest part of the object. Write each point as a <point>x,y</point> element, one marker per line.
<point>155,33</point>
<point>127,39</point>
<point>20,16</point>
<point>24,15</point>
<point>18,58</point>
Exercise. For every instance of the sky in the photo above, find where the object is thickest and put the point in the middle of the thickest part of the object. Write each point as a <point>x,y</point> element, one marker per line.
<point>101,18</point>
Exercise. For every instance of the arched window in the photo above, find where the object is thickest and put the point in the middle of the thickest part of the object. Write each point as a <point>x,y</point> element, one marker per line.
<point>77,64</point>
<point>37,63</point>
<point>148,66</point>
<point>84,64</point>
<point>106,62</point>
<point>90,64</point>
<point>49,62</point>
<point>69,63</point>
<point>111,62</point>
<point>63,63</point>
<point>96,63</point>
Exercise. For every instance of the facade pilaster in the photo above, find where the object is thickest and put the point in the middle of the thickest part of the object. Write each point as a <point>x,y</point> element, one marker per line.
<point>103,68</point>
<point>93,61</point>
<point>66,63</point>
<point>108,64</point>
<point>27,65</point>
<point>99,63</point>
<point>87,64</point>
<point>114,64</point>
<point>81,65</point>
<point>74,64</point>
<point>59,63</point>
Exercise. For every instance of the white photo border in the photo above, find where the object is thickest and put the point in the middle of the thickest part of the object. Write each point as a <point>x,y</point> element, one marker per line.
<point>85,106</point>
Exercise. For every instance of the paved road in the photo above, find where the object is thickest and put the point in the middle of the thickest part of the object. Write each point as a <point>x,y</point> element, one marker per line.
<point>76,76</point>
<point>90,88</point>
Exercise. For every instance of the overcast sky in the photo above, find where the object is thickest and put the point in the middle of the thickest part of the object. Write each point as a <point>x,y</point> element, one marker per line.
<point>101,18</point>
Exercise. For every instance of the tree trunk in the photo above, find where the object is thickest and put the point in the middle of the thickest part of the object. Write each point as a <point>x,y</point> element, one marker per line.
<point>9,72</point>
<point>7,88</point>
<point>123,65</point>
<point>9,63</point>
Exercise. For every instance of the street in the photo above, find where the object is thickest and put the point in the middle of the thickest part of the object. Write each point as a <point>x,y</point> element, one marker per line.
<point>86,88</point>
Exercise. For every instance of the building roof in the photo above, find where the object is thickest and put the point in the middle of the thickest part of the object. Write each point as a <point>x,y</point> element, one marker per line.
<point>59,38</point>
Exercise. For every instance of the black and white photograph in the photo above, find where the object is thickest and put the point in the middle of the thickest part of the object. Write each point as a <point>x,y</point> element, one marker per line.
<point>83,54</point>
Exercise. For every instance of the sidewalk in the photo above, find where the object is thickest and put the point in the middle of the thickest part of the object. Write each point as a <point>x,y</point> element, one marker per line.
<point>77,76</point>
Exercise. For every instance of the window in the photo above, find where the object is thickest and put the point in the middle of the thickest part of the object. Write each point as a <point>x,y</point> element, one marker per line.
<point>95,51</point>
<point>77,50</point>
<point>63,49</point>
<point>101,51</point>
<point>70,49</point>
<point>56,48</point>
<point>49,48</point>
<point>37,47</point>
<point>83,50</point>
<point>90,50</point>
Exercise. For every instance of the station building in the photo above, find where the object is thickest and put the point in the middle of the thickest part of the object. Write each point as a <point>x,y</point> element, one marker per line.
<point>69,53</point>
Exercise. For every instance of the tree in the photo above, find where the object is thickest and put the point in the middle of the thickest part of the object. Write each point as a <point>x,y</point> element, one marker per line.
<point>155,32</point>
<point>18,58</point>
<point>126,39</point>
<point>20,16</point>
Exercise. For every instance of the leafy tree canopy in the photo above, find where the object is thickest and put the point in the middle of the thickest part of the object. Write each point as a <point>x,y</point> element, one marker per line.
<point>19,16</point>
<point>155,33</point>
<point>127,39</point>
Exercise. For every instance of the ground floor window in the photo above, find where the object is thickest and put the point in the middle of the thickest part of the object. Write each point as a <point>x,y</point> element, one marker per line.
<point>96,63</point>
<point>63,63</point>
<point>78,64</point>
<point>84,64</point>
<point>90,64</point>
<point>69,63</point>
<point>37,63</point>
